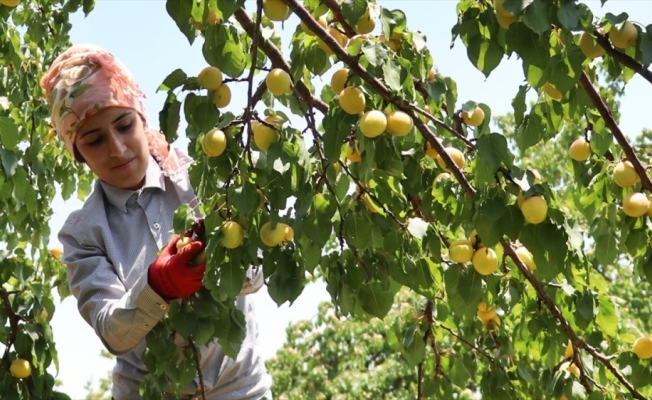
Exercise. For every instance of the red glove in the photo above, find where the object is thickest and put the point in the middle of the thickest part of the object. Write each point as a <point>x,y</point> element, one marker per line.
<point>171,275</point>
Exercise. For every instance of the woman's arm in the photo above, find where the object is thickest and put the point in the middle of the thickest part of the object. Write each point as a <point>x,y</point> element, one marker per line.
<point>121,317</point>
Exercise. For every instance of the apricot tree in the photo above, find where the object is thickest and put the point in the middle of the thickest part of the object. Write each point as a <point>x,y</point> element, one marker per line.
<point>546,298</point>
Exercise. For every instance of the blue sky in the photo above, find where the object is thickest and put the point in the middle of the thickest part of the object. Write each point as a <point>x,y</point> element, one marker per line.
<point>145,38</point>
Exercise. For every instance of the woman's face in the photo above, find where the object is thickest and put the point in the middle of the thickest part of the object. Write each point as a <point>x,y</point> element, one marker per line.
<point>114,146</point>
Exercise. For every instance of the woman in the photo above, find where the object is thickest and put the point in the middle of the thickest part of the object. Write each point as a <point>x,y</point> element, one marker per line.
<point>111,246</point>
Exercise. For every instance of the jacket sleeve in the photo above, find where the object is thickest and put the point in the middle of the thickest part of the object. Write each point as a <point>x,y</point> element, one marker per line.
<point>121,317</point>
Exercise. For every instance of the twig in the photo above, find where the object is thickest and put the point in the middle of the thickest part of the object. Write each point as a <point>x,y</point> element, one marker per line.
<point>195,354</point>
<point>373,197</point>
<point>278,59</point>
<point>463,340</point>
<point>337,14</point>
<point>611,123</point>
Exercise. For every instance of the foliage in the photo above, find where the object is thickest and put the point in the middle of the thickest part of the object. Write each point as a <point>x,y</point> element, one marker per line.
<point>393,213</point>
<point>33,168</point>
<point>333,358</point>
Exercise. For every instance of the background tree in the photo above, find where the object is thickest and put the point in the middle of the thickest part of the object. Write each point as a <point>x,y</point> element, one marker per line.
<point>416,187</point>
<point>30,169</point>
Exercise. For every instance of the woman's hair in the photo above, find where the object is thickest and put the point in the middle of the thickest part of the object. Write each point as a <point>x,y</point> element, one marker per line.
<point>85,79</point>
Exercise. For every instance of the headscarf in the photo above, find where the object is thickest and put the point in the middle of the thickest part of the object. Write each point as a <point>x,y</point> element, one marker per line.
<point>86,79</point>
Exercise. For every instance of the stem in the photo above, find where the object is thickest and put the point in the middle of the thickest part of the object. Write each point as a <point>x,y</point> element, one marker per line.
<point>195,354</point>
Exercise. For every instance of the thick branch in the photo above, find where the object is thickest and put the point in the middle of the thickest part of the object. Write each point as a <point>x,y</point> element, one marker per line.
<point>277,58</point>
<point>611,123</point>
<point>621,57</point>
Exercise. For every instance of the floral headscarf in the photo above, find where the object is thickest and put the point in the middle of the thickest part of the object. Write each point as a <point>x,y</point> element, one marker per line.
<point>86,79</point>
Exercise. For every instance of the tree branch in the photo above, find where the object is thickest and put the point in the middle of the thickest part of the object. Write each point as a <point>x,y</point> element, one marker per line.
<point>379,87</point>
<point>575,340</point>
<point>277,58</point>
<point>621,57</point>
<point>611,123</point>
<point>408,108</point>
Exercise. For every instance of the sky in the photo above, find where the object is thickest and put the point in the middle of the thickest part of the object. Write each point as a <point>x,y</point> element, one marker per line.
<point>145,38</point>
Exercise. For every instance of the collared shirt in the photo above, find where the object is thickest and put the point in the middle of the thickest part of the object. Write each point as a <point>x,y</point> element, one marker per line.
<point>108,247</point>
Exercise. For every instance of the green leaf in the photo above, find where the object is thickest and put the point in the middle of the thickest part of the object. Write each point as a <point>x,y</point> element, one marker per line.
<point>357,231</point>
<point>607,316</point>
<point>175,79</point>
<point>232,273</point>
<point>536,17</point>
<point>170,117</point>
<point>586,305</point>
<point>484,53</point>
<point>245,198</point>
<point>489,230</point>
<point>519,104</point>
<point>531,132</point>
<point>606,249</point>
<point>392,21</point>
<point>459,375</point>
<point>337,127</point>
<point>222,49</point>
<point>414,347</point>
<point>352,10</point>
<point>375,300</point>
<point>392,74</point>
<point>528,45</point>
<point>181,13</point>
<point>601,141</point>
<point>515,7</point>
<point>229,7</point>
<point>568,14</point>
<point>616,20</point>
<point>187,371</point>
<point>511,222</point>
<point>204,116</point>
<point>184,322</point>
<point>646,47</point>
<point>9,137</point>
<point>183,219</point>
<point>492,149</point>
<point>317,225</point>
<point>88,6</point>
<point>375,52</point>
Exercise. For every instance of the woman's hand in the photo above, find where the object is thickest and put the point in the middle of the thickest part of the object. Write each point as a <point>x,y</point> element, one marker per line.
<point>172,274</point>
